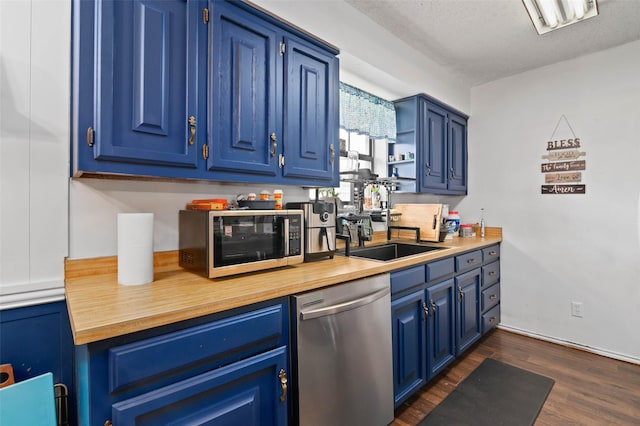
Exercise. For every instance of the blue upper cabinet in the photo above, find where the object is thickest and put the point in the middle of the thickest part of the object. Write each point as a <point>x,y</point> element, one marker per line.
<point>273,94</point>
<point>433,147</point>
<point>244,78</point>
<point>212,90</point>
<point>310,112</point>
<point>439,135</point>
<point>135,98</point>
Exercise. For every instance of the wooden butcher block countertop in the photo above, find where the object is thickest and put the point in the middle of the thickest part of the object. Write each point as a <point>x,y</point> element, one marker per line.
<point>100,308</point>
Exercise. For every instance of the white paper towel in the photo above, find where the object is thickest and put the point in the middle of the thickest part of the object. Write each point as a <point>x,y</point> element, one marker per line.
<point>135,248</point>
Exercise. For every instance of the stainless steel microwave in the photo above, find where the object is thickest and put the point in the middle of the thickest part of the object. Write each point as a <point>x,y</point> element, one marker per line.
<point>228,242</point>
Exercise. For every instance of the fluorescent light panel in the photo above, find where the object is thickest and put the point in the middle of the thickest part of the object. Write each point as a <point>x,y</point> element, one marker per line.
<point>549,15</point>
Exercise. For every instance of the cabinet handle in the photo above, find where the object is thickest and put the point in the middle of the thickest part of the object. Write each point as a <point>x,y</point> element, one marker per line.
<point>90,136</point>
<point>426,311</point>
<point>460,294</point>
<point>108,423</point>
<point>281,161</point>
<point>274,144</point>
<point>283,384</point>
<point>192,129</point>
<point>333,154</point>
<point>451,172</point>
<point>492,253</point>
<point>472,260</point>
<point>492,273</point>
<point>428,166</point>
<point>433,307</point>
<point>493,297</point>
<point>492,320</point>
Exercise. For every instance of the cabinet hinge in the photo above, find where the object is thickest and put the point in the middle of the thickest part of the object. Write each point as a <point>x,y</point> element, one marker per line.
<point>90,136</point>
<point>205,15</point>
<point>282,48</point>
<point>205,151</point>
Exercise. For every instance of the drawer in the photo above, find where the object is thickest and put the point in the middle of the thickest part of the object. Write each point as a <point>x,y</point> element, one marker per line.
<point>491,318</point>
<point>407,278</point>
<point>213,344</point>
<point>440,269</point>
<point>468,261</point>
<point>491,253</point>
<point>490,273</point>
<point>490,297</point>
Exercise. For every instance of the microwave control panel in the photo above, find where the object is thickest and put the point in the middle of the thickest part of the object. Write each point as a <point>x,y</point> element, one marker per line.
<point>295,235</point>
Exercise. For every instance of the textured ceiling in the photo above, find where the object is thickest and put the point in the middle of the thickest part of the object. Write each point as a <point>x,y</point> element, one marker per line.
<point>490,39</point>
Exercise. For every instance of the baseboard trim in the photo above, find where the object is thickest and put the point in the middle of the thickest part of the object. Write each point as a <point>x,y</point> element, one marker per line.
<point>597,351</point>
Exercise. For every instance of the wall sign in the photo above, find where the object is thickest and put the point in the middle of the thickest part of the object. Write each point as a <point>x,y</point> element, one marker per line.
<point>562,170</point>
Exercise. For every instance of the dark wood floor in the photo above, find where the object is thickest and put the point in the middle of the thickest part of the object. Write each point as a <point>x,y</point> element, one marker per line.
<point>589,389</point>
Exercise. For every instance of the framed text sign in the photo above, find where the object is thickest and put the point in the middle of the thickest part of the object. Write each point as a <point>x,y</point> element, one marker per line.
<point>563,169</point>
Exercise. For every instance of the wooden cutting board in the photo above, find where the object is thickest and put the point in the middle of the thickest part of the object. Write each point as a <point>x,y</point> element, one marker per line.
<point>427,217</point>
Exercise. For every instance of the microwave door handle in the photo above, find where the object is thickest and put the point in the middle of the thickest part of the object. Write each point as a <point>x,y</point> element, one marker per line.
<point>286,236</point>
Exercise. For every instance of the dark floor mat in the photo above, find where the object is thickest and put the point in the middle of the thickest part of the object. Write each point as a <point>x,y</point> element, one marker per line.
<point>495,393</point>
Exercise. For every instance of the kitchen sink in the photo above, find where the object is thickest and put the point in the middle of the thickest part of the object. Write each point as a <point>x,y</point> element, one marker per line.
<point>391,251</point>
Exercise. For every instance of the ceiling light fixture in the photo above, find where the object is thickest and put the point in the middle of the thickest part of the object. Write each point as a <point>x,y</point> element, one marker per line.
<point>549,15</point>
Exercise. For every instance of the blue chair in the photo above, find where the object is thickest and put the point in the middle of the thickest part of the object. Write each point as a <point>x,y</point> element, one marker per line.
<point>30,402</point>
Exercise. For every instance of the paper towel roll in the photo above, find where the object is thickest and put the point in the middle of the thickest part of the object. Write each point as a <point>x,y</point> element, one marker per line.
<point>135,248</point>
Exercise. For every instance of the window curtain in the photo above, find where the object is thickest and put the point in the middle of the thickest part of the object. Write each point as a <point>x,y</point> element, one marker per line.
<point>364,113</point>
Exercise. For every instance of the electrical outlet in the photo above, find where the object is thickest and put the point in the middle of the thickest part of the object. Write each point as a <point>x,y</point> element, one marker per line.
<point>576,309</point>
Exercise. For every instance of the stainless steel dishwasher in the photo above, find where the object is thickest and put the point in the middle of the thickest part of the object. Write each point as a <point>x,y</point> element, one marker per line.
<point>343,362</point>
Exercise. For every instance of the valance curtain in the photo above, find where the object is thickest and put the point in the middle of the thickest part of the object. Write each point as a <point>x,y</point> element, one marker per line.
<point>364,113</point>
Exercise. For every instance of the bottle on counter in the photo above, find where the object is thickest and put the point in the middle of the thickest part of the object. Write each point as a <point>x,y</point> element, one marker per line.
<point>453,222</point>
<point>277,196</point>
<point>367,198</point>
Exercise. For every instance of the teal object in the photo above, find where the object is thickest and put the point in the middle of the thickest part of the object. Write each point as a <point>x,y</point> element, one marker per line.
<point>29,403</point>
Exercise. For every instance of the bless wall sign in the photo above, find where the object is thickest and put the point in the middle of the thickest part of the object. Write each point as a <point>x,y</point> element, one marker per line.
<point>562,172</point>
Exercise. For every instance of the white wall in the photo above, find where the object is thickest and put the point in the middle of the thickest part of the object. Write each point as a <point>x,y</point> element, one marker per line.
<point>34,141</point>
<point>563,248</point>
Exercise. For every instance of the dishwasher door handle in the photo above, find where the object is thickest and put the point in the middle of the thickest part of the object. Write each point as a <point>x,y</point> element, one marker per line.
<point>344,306</point>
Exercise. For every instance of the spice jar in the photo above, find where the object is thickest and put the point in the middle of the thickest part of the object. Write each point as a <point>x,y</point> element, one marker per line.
<point>466,230</point>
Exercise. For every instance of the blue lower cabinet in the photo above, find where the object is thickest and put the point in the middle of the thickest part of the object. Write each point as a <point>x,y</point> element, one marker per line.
<point>36,340</point>
<point>248,392</point>
<point>438,311</point>
<point>409,338</point>
<point>468,312</point>
<point>222,369</point>
<point>441,343</point>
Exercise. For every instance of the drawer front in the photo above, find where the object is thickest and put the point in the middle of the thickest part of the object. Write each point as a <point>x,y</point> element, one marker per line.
<point>491,318</point>
<point>213,343</point>
<point>467,261</point>
<point>491,253</point>
<point>407,278</point>
<point>490,274</point>
<point>440,269</point>
<point>490,297</point>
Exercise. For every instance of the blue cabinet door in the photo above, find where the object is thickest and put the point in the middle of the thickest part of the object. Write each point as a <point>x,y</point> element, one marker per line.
<point>440,340</point>
<point>136,70</point>
<point>433,147</point>
<point>244,79</point>
<point>457,154</point>
<point>310,113</point>
<point>248,392</point>
<point>468,313</point>
<point>408,337</point>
